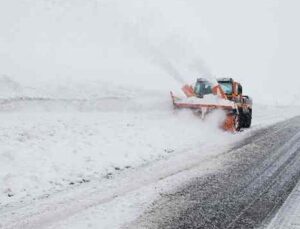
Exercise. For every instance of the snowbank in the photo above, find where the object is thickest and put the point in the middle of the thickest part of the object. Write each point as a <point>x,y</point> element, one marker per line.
<point>44,152</point>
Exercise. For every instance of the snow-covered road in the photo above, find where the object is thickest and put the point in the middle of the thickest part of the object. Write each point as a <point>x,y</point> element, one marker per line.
<point>256,177</point>
<point>77,167</point>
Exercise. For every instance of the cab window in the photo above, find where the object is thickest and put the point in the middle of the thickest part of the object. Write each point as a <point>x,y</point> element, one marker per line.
<point>202,88</point>
<point>226,87</point>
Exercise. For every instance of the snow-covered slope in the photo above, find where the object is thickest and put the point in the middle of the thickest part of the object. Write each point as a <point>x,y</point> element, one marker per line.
<point>46,151</point>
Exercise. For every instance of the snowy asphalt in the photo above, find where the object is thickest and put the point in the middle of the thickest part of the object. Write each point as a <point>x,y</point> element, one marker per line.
<point>257,177</point>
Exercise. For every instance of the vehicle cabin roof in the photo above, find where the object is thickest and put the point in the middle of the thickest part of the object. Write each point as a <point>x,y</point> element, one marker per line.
<point>225,80</point>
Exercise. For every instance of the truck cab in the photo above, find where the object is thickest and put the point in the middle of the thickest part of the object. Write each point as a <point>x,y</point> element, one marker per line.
<point>202,87</point>
<point>234,92</point>
<point>232,89</point>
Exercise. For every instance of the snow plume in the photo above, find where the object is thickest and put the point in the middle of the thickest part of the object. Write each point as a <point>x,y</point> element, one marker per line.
<point>161,40</point>
<point>129,43</point>
<point>190,123</point>
<point>167,65</point>
<point>172,55</point>
<point>201,67</point>
<point>157,55</point>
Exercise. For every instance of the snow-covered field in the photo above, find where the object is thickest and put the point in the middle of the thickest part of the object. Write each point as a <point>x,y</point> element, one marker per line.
<point>51,146</point>
<point>46,151</point>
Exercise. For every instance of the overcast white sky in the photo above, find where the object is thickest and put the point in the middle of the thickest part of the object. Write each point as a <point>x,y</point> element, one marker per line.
<point>148,42</point>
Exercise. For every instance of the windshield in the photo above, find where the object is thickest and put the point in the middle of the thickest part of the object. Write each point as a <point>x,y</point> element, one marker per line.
<point>227,87</point>
<point>202,88</point>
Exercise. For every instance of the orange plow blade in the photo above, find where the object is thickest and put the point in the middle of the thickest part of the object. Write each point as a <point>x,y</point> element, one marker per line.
<point>203,107</point>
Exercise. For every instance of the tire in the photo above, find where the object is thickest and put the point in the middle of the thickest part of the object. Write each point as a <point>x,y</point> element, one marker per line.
<point>242,119</point>
<point>248,119</point>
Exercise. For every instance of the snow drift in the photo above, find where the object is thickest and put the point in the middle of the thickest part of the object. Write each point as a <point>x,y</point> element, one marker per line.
<point>44,152</point>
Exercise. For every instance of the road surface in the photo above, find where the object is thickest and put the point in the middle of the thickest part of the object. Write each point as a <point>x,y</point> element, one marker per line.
<point>257,177</point>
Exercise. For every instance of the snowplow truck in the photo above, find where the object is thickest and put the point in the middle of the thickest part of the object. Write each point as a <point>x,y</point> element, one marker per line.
<point>234,92</point>
<point>223,94</point>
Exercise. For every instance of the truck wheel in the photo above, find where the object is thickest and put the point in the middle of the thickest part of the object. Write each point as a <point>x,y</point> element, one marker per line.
<point>248,119</point>
<point>243,119</point>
